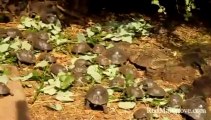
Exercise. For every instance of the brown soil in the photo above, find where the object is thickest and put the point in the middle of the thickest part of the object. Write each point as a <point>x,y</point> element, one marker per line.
<point>182,37</point>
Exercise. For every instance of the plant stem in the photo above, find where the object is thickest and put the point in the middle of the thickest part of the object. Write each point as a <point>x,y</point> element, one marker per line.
<point>38,91</point>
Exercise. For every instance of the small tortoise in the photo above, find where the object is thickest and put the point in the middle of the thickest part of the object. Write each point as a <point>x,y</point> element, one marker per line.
<point>26,56</point>
<point>13,32</point>
<point>81,63</point>
<point>57,68</point>
<point>141,114</point>
<point>4,90</point>
<point>116,55</point>
<point>42,45</point>
<point>147,84</point>
<point>97,95</point>
<point>175,100</point>
<point>102,60</point>
<point>156,91</point>
<point>48,57</point>
<point>98,49</point>
<point>81,48</point>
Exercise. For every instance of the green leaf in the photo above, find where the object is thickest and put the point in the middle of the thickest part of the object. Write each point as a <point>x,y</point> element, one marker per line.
<point>110,92</point>
<point>57,29</point>
<point>111,72</point>
<point>127,39</point>
<point>50,90</point>
<point>64,96</point>
<point>41,64</point>
<point>24,78</point>
<point>42,25</point>
<point>35,25</point>
<point>165,118</point>
<point>66,81</point>
<point>116,38</point>
<point>89,32</point>
<point>126,105</point>
<point>16,45</point>
<point>88,57</point>
<point>56,82</point>
<point>20,26</point>
<point>108,36</point>
<point>5,39</point>
<point>110,45</point>
<point>156,2</point>
<point>159,102</point>
<point>61,41</point>
<point>81,37</point>
<point>123,32</point>
<point>93,71</point>
<point>25,45</point>
<point>4,47</point>
<point>57,107</point>
<point>26,21</point>
<point>4,79</point>
<point>147,99</point>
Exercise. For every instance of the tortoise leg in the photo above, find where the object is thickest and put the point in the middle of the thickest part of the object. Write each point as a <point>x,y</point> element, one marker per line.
<point>105,109</point>
<point>87,104</point>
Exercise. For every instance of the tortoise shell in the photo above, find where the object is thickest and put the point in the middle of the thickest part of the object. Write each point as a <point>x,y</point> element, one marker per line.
<point>26,56</point>
<point>81,48</point>
<point>4,90</point>
<point>97,95</point>
<point>116,55</point>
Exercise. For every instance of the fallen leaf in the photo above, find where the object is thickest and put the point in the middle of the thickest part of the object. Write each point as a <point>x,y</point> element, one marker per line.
<point>93,71</point>
<point>56,107</point>
<point>64,96</point>
<point>126,105</point>
<point>4,79</point>
<point>41,64</point>
<point>4,47</point>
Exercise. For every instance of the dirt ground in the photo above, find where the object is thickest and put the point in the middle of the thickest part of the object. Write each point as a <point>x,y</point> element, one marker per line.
<point>169,44</point>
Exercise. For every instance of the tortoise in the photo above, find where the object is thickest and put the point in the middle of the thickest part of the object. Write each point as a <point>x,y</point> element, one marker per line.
<point>41,45</point>
<point>30,36</point>
<point>57,68</point>
<point>102,60</point>
<point>98,49</point>
<point>116,55</point>
<point>147,84</point>
<point>141,114</point>
<point>118,82</point>
<point>98,96</point>
<point>26,56</point>
<point>156,91</point>
<point>135,92</point>
<point>185,88</point>
<point>13,32</point>
<point>175,100</point>
<point>81,48</point>
<point>48,57</point>
<point>195,103</point>
<point>80,80</point>
<point>49,18</point>
<point>43,35</point>
<point>3,32</point>
<point>81,63</point>
<point>4,90</point>
<point>81,70</point>
<point>127,70</point>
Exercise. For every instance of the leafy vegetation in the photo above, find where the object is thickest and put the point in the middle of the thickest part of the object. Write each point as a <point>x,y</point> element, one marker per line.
<point>59,85</point>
